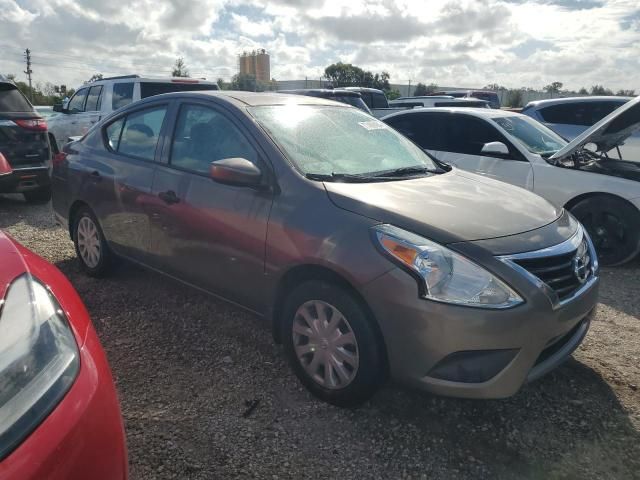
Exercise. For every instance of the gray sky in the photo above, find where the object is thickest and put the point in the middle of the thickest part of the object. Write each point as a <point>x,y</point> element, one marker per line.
<point>455,43</point>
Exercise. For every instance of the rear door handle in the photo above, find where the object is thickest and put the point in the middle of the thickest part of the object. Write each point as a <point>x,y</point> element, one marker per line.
<point>169,197</point>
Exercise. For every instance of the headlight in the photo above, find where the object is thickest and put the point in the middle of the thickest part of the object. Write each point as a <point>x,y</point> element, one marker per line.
<point>445,276</point>
<point>38,359</point>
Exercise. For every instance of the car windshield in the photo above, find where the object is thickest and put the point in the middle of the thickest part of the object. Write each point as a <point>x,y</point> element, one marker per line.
<point>11,100</point>
<point>327,140</point>
<point>535,137</point>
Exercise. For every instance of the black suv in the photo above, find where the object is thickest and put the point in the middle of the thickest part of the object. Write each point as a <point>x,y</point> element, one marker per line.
<point>25,153</point>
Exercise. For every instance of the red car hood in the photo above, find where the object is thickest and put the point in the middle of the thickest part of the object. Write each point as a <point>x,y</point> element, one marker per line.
<point>12,261</point>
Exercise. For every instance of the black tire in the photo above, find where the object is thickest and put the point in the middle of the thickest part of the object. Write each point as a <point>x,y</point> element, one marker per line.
<point>106,257</point>
<point>614,227</point>
<point>41,195</point>
<point>370,371</point>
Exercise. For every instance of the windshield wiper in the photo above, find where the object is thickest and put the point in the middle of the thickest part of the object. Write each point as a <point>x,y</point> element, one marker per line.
<point>402,171</point>
<point>341,177</point>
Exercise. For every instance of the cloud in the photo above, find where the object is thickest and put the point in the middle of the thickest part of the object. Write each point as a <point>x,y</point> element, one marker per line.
<point>466,43</point>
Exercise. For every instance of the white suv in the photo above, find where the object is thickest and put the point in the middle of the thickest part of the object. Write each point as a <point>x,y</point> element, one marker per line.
<point>95,100</point>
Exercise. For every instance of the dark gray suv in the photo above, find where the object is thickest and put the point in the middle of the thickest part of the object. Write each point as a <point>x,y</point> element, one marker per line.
<point>368,257</point>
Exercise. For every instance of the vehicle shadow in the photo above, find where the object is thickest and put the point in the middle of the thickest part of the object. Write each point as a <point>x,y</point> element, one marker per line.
<point>570,424</point>
<point>14,209</point>
<point>187,366</point>
<point>620,288</point>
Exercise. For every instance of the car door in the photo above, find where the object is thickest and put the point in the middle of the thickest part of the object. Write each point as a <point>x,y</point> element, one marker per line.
<point>91,114</point>
<point>457,139</point>
<point>119,178</point>
<point>205,233</point>
<point>65,125</point>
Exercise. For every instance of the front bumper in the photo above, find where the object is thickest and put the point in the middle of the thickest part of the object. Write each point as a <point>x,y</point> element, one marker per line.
<point>83,437</point>
<point>25,179</point>
<point>472,352</point>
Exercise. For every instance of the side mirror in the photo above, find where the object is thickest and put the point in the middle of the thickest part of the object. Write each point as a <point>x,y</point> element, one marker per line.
<point>495,149</point>
<point>235,171</point>
<point>59,108</point>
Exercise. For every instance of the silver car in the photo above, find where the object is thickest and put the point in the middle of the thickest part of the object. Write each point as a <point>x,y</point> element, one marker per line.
<point>569,117</point>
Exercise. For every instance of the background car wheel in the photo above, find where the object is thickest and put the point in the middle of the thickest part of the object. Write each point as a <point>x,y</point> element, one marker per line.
<point>614,227</point>
<point>331,344</point>
<point>91,247</point>
<point>41,195</point>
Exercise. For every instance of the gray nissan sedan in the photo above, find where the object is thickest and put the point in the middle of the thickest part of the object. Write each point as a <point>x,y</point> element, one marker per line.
<point>369,258</point>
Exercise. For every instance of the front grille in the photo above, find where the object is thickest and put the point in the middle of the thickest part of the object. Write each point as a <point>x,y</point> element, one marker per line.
<point>564,273</point>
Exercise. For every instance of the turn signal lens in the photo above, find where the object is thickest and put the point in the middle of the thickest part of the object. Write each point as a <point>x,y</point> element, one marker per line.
<point>38,124</point>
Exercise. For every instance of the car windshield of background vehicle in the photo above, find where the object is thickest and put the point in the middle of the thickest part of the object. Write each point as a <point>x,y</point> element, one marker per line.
<point>11,100</point>
<point>326,140</point>
<point>535,137</point>
<point>149,89</point>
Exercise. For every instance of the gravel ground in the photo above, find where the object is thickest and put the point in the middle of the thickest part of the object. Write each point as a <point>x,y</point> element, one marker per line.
<point>188,368</point>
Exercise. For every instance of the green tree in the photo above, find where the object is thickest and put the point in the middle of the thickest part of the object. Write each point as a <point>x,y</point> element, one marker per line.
<point>553,87</point>
<point>345,75</point>
<point>246,82</point>
<point>422,89</point>
<point>600,90</point>
<point>179,68</point>
<point>583,91</point>
<point>626,93</point>
<point>514,98</point>
<point>392,94</point>
<point>95,77</point>
<point>494,86</point>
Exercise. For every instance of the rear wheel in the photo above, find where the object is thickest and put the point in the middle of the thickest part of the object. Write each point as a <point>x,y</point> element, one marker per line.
<point>614,227</point>
<point>41,195</point>
<point>91,247</point>
<point>331,344</point>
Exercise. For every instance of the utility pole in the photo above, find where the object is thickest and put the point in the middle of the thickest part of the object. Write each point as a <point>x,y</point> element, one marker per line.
<point>409,89</point>
<point>28,71</point>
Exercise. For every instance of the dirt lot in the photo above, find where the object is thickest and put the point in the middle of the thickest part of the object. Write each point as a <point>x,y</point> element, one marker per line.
<point>187,366</point>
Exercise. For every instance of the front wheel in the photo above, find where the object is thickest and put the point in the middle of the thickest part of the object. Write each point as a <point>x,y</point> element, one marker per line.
<point>331,344</point>
<point>614,227</point>
<point>91,247</point>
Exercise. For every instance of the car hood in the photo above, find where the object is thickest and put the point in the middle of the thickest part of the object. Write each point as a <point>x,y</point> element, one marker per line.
<point>608,133</point>
<point>452,207</point>
<point>13,264</point>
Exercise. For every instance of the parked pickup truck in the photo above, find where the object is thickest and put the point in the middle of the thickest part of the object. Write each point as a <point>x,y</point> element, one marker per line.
<point>95,100</point>
<point>376,100</point>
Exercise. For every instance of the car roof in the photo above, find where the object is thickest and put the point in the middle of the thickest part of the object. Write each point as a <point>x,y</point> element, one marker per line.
<point>138,78</point>
<point>476,112</point>
<point>558,101</point>
<point>363,89</point>
<point>323,91</point>
<point>251,99</point>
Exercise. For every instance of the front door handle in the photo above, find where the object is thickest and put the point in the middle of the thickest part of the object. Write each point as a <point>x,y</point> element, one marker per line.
<point>169,197</point>
<point>95,176</point>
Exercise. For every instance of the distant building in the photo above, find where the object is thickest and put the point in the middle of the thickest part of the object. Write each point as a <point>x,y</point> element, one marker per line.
<point>255,63</point>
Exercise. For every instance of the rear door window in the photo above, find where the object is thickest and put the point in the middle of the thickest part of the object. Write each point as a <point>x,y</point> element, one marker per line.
<point>379,100</point>
<point>76,104</point>
<point>93,99</point>
<point>137,134</point>
<point>428,130</point>
<point>122,95</point>
<point>204,135</point>
<point>11,100</point>
<point>149,89</point>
